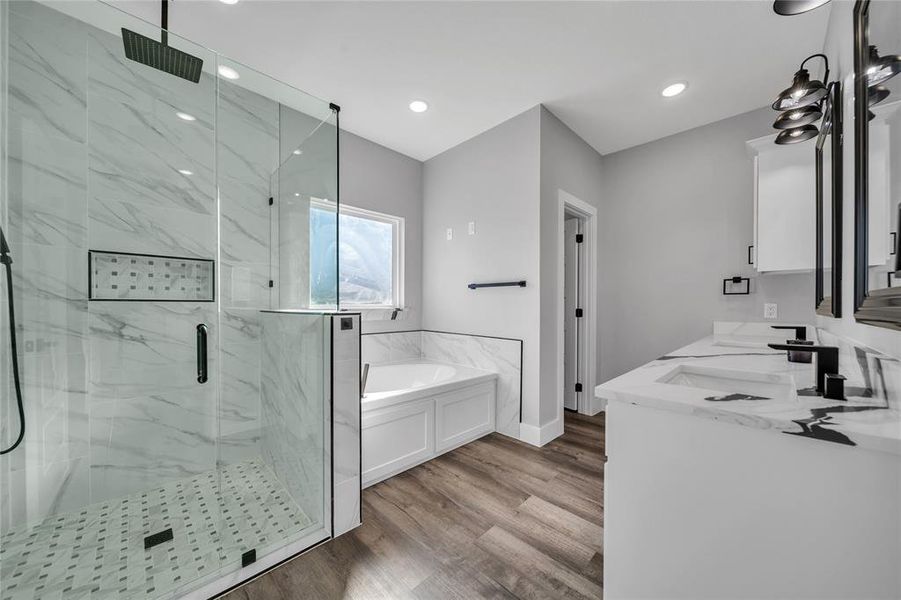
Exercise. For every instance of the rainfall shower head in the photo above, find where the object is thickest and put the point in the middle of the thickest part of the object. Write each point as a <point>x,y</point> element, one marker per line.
<point>160,55</point>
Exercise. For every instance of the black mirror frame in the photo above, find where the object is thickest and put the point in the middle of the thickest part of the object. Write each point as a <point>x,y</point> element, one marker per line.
<point>830,306</point>
<point>881,308</point>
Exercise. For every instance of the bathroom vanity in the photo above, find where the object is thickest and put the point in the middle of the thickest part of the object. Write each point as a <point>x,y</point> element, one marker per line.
<point>726,477</point>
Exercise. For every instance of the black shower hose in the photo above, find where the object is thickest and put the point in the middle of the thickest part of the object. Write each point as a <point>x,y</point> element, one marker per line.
<point>7,262</point>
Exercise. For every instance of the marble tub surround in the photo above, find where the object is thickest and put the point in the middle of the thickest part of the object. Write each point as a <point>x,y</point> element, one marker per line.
<point>870,418</point>
<point>391,346</point>
<point>498,355</point>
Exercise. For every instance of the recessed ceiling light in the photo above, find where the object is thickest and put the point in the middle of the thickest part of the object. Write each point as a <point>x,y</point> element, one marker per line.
<point>419,106</point>
<point>297,194</point>
<point>185,116</point>
<point>228,1</point>
<point>228,72</point>
<point>674,89</point>
<point>186,172</point>
<point>298,151</point>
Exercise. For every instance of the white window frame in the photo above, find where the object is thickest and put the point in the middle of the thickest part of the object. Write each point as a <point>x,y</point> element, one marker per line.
<point>397,252</point>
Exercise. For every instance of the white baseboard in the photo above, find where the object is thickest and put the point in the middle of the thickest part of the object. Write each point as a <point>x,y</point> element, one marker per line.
<point>539,436</point>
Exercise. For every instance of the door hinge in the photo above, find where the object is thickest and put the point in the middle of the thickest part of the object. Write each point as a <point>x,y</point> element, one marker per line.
<point>579,238</point>
<point>271,200</point>
<point>578,387</point>
<point>578,313</point>
<point>271,283</point>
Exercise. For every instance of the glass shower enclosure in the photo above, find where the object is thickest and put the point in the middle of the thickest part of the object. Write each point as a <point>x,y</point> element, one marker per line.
<point>172,358</point>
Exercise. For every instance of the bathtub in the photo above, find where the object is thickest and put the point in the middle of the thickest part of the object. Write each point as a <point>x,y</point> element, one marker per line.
<point>416,410</point>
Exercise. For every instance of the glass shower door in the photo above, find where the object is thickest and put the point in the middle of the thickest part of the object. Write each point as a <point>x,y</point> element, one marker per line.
<point>112,217</point>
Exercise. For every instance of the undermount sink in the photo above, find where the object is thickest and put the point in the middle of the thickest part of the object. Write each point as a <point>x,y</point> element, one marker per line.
<point>728,384</point>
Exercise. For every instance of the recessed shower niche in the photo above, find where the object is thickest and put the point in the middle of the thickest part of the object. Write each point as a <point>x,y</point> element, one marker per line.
<point>125,276</point>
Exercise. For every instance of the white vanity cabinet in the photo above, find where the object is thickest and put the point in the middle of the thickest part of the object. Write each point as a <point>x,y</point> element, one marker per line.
<point>696,508</point>
<point>784,205</point>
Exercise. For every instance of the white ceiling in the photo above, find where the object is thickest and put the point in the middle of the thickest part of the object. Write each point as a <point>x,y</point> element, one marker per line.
<point>599,66</point>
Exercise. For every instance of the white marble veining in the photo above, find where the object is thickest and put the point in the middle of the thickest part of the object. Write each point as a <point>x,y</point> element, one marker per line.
<point>501,356</point>
<point>294,441</point>
<point>47,86</point>
<point>870,418</point>
<point>391,347</point>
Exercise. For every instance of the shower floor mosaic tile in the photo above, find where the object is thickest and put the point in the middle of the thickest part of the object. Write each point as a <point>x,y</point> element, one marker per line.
<point>99,551</point>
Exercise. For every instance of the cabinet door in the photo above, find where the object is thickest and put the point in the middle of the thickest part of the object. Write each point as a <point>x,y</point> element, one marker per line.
<point>463,415</point>
<point>786,208</point>
<point>396,438</point>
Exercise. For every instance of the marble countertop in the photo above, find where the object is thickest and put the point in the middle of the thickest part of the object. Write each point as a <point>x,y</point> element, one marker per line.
<point>869,418</point>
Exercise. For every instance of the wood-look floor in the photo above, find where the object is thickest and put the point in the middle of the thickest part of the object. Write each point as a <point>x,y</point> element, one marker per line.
<point>493,519</point>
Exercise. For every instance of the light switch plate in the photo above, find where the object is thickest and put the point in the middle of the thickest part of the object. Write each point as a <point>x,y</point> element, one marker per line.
<point>450,234</point>
<point>770,311</point>
<point>472,228</point>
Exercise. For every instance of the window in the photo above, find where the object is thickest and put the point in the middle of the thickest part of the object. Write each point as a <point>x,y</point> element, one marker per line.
<point>370,257</point>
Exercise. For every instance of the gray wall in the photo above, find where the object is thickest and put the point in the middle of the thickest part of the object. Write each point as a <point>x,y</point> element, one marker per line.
<point>492,180</point>
<point>567,163</point>
<point>376,178</point>
<point>677,219</point>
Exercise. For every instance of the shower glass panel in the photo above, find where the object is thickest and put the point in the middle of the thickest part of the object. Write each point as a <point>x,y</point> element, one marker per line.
<point>305,187</point>
<point>174,424</point>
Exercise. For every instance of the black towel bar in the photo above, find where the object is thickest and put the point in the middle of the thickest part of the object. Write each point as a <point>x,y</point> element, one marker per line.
<point>475,286</point>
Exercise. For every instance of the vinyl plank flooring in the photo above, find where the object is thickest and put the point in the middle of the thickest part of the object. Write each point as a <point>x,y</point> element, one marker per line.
<point>495,519</point>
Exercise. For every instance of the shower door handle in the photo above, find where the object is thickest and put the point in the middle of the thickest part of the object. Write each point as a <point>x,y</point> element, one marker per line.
<point>201,353</point>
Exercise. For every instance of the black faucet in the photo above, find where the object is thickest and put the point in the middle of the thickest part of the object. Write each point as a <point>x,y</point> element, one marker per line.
<point>827,364</point>
<point>800,338</point>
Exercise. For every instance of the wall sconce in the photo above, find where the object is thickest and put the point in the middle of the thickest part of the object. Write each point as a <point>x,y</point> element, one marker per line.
<point>800,105</point>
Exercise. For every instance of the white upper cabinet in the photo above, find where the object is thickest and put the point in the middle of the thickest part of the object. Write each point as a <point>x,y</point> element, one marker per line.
<point>784,205</point>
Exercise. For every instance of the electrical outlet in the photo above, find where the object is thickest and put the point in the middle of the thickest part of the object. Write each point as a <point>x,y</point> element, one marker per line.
<point>472,228</point>
<point>770,311</point>
<point>450,234</point>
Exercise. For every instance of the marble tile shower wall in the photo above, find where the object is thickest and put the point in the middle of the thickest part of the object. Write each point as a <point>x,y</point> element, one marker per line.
<point>94,152</point>
<point>293,417</point>
<point>248,138</point>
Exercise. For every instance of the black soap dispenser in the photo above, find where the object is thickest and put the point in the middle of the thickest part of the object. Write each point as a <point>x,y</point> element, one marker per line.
<point>798,356</point>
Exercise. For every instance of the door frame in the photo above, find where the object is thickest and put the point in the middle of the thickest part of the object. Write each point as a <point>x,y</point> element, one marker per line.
<point>588,341</point>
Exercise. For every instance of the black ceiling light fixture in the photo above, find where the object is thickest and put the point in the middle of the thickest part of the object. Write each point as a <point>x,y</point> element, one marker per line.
<point>882,68</point>
<point>800,105</point>
<point>788,8</point>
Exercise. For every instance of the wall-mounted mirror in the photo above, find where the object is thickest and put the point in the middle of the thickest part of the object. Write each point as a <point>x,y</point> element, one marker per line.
<point>829,206</point>
<point>877,171</point>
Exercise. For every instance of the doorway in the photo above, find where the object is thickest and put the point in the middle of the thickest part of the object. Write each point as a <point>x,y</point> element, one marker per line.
<point>577,249</point>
